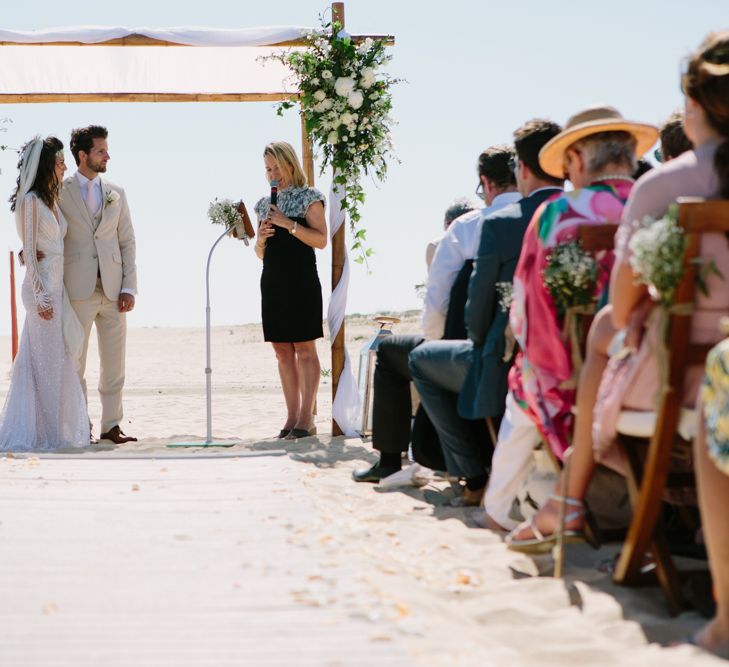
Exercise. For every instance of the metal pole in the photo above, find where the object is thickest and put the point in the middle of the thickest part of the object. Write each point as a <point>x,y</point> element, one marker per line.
<point>208,360</point>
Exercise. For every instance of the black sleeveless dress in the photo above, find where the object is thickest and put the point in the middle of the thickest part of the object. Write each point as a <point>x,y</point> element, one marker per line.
<point>291,300</point>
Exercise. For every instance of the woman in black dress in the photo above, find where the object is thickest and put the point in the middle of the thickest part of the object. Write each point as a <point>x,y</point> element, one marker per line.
<point>291,301</point>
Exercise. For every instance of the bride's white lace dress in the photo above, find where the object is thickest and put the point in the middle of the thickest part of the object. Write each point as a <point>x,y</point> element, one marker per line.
<point>45,407</point>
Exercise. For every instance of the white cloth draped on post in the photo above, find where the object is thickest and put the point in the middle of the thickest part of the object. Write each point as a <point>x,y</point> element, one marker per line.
<point>346,405</point>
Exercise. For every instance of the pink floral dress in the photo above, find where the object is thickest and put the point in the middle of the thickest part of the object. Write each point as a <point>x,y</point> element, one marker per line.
<point>541,378</point>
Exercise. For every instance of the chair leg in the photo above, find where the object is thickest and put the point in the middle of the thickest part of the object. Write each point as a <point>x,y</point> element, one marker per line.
<point>642,528</point>
<point>667,574</point>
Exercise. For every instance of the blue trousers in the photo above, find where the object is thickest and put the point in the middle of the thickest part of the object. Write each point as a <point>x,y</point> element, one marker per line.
<point>438,369</point>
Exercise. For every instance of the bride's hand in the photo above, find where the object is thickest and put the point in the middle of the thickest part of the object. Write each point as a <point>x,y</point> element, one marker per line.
<point>275,217</point>
<point>46,313</point>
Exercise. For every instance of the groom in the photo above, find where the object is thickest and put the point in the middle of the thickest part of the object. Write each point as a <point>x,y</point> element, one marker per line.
<point>100,270</point>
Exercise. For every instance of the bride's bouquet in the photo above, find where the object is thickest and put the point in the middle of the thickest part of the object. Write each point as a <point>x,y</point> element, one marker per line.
<point>225,212</point>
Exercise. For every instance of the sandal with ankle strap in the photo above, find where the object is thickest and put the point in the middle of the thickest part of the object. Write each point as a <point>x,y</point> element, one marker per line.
<point>540,543</point>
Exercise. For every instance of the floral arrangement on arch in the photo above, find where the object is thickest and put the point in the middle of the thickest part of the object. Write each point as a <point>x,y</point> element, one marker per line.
<point>345,100</point>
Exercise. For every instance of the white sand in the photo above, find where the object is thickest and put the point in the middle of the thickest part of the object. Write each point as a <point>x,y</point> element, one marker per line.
<point>219,558</point>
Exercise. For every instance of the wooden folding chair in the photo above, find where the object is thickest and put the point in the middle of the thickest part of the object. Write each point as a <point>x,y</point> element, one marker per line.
<point>648,440</point>
<point>594,239</point>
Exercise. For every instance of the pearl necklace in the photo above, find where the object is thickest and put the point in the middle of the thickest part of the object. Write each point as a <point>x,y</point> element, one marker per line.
<point>614,177</point>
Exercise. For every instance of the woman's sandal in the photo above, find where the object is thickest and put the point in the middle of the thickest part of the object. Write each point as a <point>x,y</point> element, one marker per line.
<point>283,433</point>
<point>540,543</point>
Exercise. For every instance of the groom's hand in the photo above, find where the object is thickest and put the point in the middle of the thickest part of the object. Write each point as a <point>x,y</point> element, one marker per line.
<point>126,302</point>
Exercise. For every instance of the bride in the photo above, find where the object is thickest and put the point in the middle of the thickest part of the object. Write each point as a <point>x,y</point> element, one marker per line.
<point>45,408</point>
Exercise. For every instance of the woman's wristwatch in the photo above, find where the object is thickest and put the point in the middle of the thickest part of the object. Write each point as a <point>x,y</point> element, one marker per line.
<point>293,228</point>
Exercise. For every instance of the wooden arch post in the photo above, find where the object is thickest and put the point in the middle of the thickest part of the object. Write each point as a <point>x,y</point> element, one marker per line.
<point>337,269</point>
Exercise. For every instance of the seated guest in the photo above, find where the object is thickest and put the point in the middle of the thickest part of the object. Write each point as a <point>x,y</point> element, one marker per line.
<point>439,368</point>
<point>630,382</point>
<point>459,207</point>
<point>597,151</point>
<point>460,242</point>
<point>447,282</point>
<point>674,141</point>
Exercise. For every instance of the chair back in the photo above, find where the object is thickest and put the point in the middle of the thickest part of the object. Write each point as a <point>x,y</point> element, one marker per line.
<point>649,480</point>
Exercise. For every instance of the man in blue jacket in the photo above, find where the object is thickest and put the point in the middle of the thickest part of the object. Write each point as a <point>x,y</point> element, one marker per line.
<point>460,381</point>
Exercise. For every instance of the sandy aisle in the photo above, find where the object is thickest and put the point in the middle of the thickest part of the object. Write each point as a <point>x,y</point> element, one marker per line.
<point>232,560</point>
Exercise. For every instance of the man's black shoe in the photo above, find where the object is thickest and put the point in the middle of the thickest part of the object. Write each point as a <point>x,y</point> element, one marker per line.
<point>373,474</point>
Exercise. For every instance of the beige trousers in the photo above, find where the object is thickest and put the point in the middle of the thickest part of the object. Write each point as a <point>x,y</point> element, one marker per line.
<point>111,332</point>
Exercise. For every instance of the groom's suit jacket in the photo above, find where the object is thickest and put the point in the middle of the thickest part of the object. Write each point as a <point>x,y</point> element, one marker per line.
<point>106,249</point>
<point>483,392</point>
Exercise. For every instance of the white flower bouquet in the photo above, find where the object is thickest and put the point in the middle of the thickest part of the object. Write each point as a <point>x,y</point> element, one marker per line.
<point>505,294</point>
<point>657,255</point>
<point>570,276</point>
<point>225,212</point>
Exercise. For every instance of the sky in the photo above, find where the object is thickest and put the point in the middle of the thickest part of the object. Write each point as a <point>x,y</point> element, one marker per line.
<point>475,71</point>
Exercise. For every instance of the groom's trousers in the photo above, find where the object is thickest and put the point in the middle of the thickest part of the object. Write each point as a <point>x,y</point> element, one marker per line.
<point>111,333</point>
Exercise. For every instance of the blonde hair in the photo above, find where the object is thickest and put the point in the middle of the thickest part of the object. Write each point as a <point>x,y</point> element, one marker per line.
<point>286,158</point>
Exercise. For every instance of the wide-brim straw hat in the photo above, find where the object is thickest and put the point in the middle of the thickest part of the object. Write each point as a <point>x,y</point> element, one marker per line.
<point>591,121</point>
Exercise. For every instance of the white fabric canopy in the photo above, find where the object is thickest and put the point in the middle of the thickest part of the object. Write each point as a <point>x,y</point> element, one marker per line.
<point>222,62</point>
<point>140,69</point>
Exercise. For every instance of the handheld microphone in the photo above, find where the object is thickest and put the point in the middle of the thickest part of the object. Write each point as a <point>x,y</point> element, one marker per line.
<point>274,192</point>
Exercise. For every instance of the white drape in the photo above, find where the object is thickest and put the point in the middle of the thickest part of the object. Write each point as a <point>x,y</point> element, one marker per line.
<point>223,61</point>
<point>140,69</point>
<point>346,405</point>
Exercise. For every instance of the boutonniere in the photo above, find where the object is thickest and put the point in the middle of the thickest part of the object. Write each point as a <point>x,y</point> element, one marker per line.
<point>111,198</point>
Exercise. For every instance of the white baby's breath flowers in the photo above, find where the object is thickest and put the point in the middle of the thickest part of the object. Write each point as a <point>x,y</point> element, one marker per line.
<point>657,255</point>
<point>223,212</point>
<point>505,294</point>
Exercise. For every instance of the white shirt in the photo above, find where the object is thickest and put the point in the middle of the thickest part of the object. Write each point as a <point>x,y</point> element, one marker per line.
<point>95,184</point>
<point>459,244</point>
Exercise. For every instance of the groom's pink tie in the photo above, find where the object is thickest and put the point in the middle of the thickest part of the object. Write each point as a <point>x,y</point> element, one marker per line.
<point>90,203</point>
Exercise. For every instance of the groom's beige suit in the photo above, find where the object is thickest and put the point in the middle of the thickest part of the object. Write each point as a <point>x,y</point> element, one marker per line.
<point>100,263</point>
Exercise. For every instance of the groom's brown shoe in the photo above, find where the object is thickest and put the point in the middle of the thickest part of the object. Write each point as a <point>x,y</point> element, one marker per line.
<point>116,435</point>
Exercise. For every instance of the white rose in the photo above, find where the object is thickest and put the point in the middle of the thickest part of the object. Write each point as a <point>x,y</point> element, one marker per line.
<point>368,77</point>
<point>355,99</point>
<point>333,138</point>
<point>346,119</point>
<point>344,85</point>
<point>326,74</point>
<point>320,95</point>
<point>326,105</point>
<point>364,46</point>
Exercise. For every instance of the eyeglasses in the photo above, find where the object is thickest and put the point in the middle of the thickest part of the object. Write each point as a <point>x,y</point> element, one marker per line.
<point>513,163</point>
<point>658,154</point>
<point>479,191</point>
